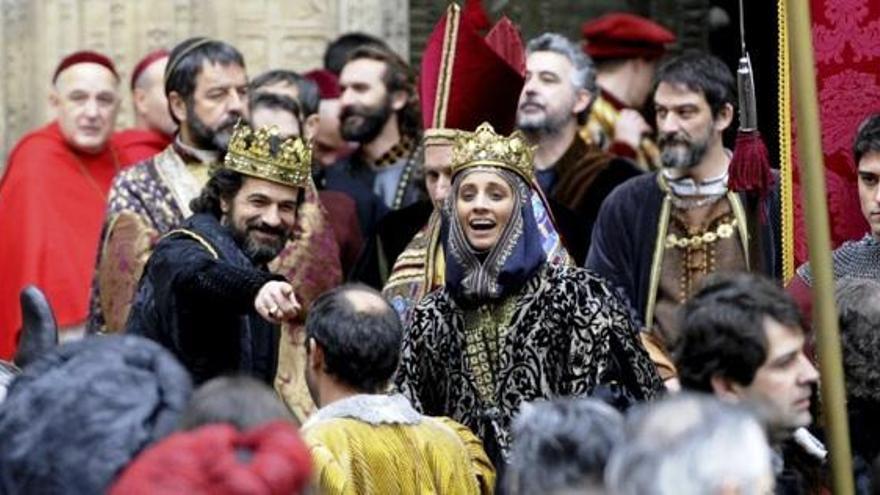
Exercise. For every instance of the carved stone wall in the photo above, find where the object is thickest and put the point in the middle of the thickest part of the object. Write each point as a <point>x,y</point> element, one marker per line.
<point>36,34</point>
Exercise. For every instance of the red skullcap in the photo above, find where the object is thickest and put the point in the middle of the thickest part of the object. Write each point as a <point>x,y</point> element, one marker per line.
<point>219,460</point>
<point>146,62</point>
<point>85,57</point>
<point>328,83</point>
<point>622,35</point>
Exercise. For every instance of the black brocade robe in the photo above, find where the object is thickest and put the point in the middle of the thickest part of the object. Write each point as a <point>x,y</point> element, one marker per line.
<point>196,298</point>
<point>568,334</point>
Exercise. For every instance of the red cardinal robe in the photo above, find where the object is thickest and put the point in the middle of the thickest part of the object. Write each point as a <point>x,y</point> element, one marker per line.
<point>139,144</point>
<point>52,202</point>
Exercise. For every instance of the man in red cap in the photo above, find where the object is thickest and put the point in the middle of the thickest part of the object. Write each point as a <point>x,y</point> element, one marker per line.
<point>626,49</point>
<point>153,126</point>
<point>53,195</point>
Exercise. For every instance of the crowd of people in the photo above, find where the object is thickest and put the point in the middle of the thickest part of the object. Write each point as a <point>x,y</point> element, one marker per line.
<point>488,275</point>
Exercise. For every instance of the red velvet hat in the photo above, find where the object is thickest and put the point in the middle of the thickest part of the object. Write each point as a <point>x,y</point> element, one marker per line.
<point>146,62</point>
<point>467,79</point>
<point>622,35</point>
<point>328,83</point>
<point>84,57</point>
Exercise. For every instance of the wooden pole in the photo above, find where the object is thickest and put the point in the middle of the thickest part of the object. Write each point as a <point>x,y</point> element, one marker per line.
<point>819,239</point>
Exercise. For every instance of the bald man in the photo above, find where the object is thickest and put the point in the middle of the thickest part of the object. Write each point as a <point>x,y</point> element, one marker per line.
<point>53,195</point>
<point>153,126</point>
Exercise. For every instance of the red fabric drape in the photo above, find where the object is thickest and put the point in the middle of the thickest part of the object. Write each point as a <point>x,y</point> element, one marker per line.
<point>52,203</point>
<point>845,42</point>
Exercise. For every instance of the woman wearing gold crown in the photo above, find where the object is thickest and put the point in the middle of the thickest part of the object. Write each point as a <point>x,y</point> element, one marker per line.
<point>509,326</point>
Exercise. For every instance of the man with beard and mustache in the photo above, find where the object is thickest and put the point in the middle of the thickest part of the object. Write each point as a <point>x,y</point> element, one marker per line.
<point>559,87</point>
<point>659,235</point>
<point>206,87</point>
<point>379,110</point>
<point>206,293</point>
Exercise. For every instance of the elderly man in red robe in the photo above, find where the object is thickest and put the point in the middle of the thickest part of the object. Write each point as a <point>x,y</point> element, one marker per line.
<point>53,195</point>
<point>153,126</point>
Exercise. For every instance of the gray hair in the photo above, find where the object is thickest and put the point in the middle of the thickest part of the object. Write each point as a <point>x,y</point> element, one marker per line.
<point>561,445</point>
<point>689,445</point>
<point>584,75</point>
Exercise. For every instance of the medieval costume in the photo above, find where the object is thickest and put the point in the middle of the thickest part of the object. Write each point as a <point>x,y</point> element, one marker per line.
<point>511,326</point>
<point>857,259</point>
<point>377,444</point>
<point>52,201</point>
<point>153,198</point>
<point>466,79</point>
<point>660,257</point>
<point>615,37</point>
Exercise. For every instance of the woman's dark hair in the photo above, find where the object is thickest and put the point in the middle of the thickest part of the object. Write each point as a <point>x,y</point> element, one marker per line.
<point>361,346</point>
<point>187,59</point>
<point>398,76</point>
<point>701,73</point>
<point>224,184</point>
<point>722,329</point>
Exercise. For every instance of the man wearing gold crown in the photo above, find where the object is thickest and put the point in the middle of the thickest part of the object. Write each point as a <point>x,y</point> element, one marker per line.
<point>510,325</point>
<point>206,292</point>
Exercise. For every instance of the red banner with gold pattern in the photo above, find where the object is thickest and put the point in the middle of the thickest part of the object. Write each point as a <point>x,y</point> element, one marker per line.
<point>846,44</point>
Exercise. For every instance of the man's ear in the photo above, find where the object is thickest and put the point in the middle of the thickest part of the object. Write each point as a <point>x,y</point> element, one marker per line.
<point>724,117</point>
<point>310,127</point>
<point>582,101</point>
<point>138,97</point>
<point>399,99</point>
<point>54,98</point>
<point>315,356</point>
<point>725,389</point>
<point>224,205</point>
<point>177,106</point>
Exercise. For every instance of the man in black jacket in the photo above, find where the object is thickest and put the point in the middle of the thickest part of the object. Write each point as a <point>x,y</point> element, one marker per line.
<point>206,293</point>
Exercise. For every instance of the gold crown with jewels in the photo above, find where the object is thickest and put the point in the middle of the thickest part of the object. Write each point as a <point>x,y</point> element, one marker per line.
<point>485,147</point>
<point>250,153</point>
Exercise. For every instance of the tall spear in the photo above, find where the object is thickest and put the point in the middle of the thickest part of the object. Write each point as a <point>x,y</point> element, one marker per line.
<point>819,240</point>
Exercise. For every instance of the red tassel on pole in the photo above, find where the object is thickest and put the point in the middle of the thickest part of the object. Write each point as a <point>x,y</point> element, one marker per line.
<point>750,169</point>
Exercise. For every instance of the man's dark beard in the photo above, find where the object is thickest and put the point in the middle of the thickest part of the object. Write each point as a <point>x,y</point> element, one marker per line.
<point>372,121</point>
<point>670,155</point>
<point>205,138</point>
<point>260,252</point>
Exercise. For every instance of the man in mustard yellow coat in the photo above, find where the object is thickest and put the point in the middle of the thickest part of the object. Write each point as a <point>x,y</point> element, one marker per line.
<point>362,440</point>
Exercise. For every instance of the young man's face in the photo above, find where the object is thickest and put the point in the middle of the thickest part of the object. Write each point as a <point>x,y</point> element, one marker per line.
<point>261,216</point>
<point>438,172</point>
<point>784,382</point>
<point>869,190</point>
<point>365,104</point>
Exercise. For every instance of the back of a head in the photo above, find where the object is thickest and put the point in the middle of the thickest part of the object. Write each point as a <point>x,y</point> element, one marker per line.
<point>701,73</point>
<point>308,96</point>
<point>722,329</point>
<point>338,50</point>
<point>241,401</point>
<point>691,445</point>
<point>79,413</point>
<point>359,334</point>
<point>221,460</point>
<point>562,445</point>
